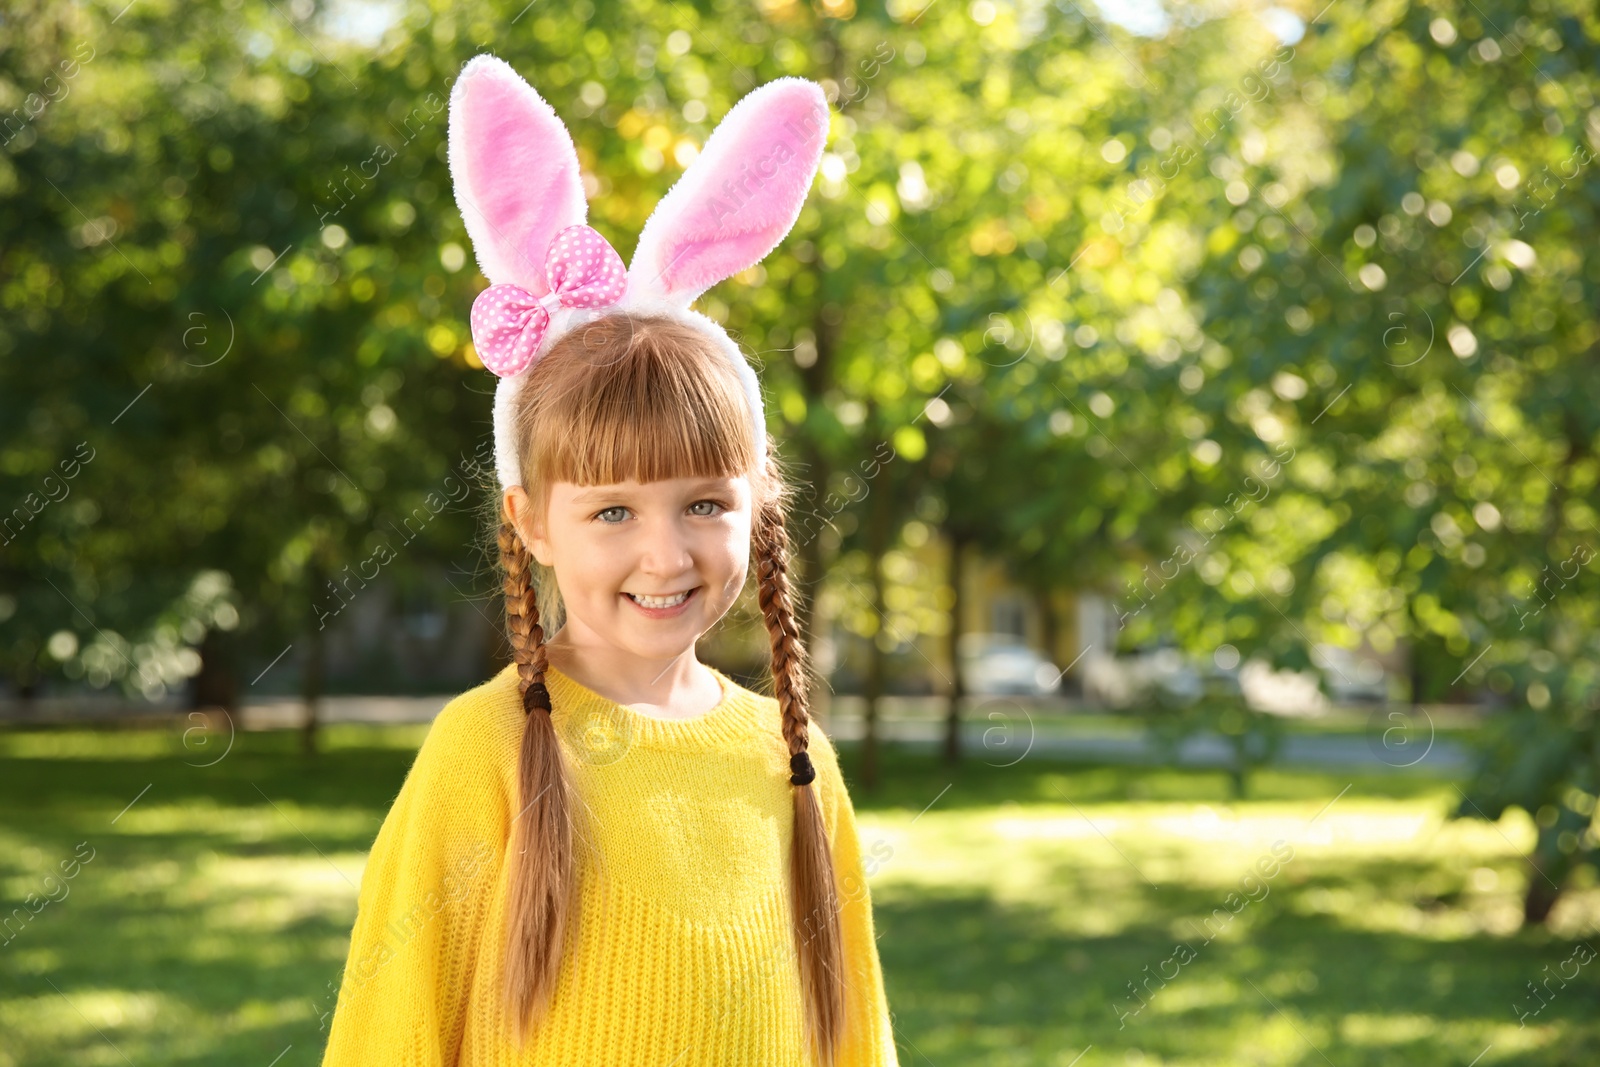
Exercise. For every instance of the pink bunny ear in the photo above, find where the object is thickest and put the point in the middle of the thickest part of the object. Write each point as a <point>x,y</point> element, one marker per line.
<point>739,198</point>
<point>515,172</point>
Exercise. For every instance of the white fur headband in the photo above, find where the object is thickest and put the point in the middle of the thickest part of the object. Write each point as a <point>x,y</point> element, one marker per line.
<point>520,193</point>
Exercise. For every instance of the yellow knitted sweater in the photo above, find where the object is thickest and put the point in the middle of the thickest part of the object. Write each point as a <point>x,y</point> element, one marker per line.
<point>683,952</point>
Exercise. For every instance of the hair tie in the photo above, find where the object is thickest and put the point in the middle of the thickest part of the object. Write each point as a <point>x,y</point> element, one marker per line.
<point>804,772</point>
<point>537,696</point>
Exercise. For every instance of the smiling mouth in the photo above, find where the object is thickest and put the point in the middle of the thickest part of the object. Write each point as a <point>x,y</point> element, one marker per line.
<point>661,601</point>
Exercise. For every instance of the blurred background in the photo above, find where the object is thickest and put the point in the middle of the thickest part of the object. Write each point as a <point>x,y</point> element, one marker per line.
<point>1197,406</point>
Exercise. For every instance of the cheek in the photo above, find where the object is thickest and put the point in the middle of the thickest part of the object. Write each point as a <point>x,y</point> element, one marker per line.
<point>586,567</point>
<point>741,572</point>
<point>728,554</point>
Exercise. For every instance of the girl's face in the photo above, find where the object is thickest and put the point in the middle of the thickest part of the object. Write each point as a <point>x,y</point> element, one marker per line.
<point>611,545</point>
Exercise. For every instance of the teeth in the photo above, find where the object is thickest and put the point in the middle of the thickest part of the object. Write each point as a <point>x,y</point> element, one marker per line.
<point>661,601</point>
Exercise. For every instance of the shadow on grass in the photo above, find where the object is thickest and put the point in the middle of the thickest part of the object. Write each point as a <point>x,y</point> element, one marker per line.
<point>911,779</point>
<point>207,929</point>
<point>972,980</point>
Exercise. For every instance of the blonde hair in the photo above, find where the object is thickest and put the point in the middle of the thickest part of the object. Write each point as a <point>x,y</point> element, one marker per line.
<point>645,398</point>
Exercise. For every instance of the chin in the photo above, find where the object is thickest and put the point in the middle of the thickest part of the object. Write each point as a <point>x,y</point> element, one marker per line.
<point>660,647</point>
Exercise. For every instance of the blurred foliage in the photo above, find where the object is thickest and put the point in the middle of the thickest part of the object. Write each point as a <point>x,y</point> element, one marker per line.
<point>1272,344</point>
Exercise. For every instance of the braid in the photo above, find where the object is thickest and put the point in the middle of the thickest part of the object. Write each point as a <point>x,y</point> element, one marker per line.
<point>542,871</point>
<point>522,619</point>
<point>816,903</point>
<point>789,661</point>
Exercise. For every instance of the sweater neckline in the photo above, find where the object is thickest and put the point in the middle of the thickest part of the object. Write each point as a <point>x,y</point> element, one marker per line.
<point>600,727</point>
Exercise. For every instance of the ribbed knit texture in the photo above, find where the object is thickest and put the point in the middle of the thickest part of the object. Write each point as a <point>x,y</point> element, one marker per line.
<point>683,952</point>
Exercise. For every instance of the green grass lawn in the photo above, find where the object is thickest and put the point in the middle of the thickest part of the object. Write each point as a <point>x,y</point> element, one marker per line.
<point>1019,907</point>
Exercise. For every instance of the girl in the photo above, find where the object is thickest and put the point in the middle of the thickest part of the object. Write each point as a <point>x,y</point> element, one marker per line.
<point>611,853</point>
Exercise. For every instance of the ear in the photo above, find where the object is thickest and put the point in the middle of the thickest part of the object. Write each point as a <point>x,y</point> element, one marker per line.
<point>738,198</point>
<point>529,526</point>
<point>515,172</point>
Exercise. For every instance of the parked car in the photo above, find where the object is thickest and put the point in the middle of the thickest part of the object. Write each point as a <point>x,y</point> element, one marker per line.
<point>1350,677</point>
<point>1003,665</point>
<point>1120,681</point>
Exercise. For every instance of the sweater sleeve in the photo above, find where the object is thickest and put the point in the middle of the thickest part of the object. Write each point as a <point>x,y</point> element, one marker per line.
<point>868,1031</point>
<point>423,901</point>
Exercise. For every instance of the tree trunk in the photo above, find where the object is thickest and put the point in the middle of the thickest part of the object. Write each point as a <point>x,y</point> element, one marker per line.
<point>311,670</point>
<point>26,677</point>
<point>1545,869</point>
<point>1540,900</point>
<point>1049,625</point>
<point>816,380</point>
<point>1550,865</point>
<point>879,523</point>
<point>872,690</point>
<point>1417,674</point>
<point>958,686</point>
<point>1241,767</point>
<point>217,683</point>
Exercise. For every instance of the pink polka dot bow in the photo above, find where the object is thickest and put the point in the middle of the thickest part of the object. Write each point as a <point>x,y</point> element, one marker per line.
<point>508,322</point>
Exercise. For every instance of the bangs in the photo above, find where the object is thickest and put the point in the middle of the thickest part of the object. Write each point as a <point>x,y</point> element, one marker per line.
<point>636,399</point>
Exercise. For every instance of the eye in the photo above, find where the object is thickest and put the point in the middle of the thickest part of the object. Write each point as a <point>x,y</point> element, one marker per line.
<point>713,503</point>
<point>607,511</point>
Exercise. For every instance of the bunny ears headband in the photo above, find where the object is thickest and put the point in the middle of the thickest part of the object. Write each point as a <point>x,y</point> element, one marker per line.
<point>520,192</point>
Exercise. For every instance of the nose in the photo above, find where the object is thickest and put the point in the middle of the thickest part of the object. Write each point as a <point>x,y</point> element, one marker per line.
<point>666,550</point>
